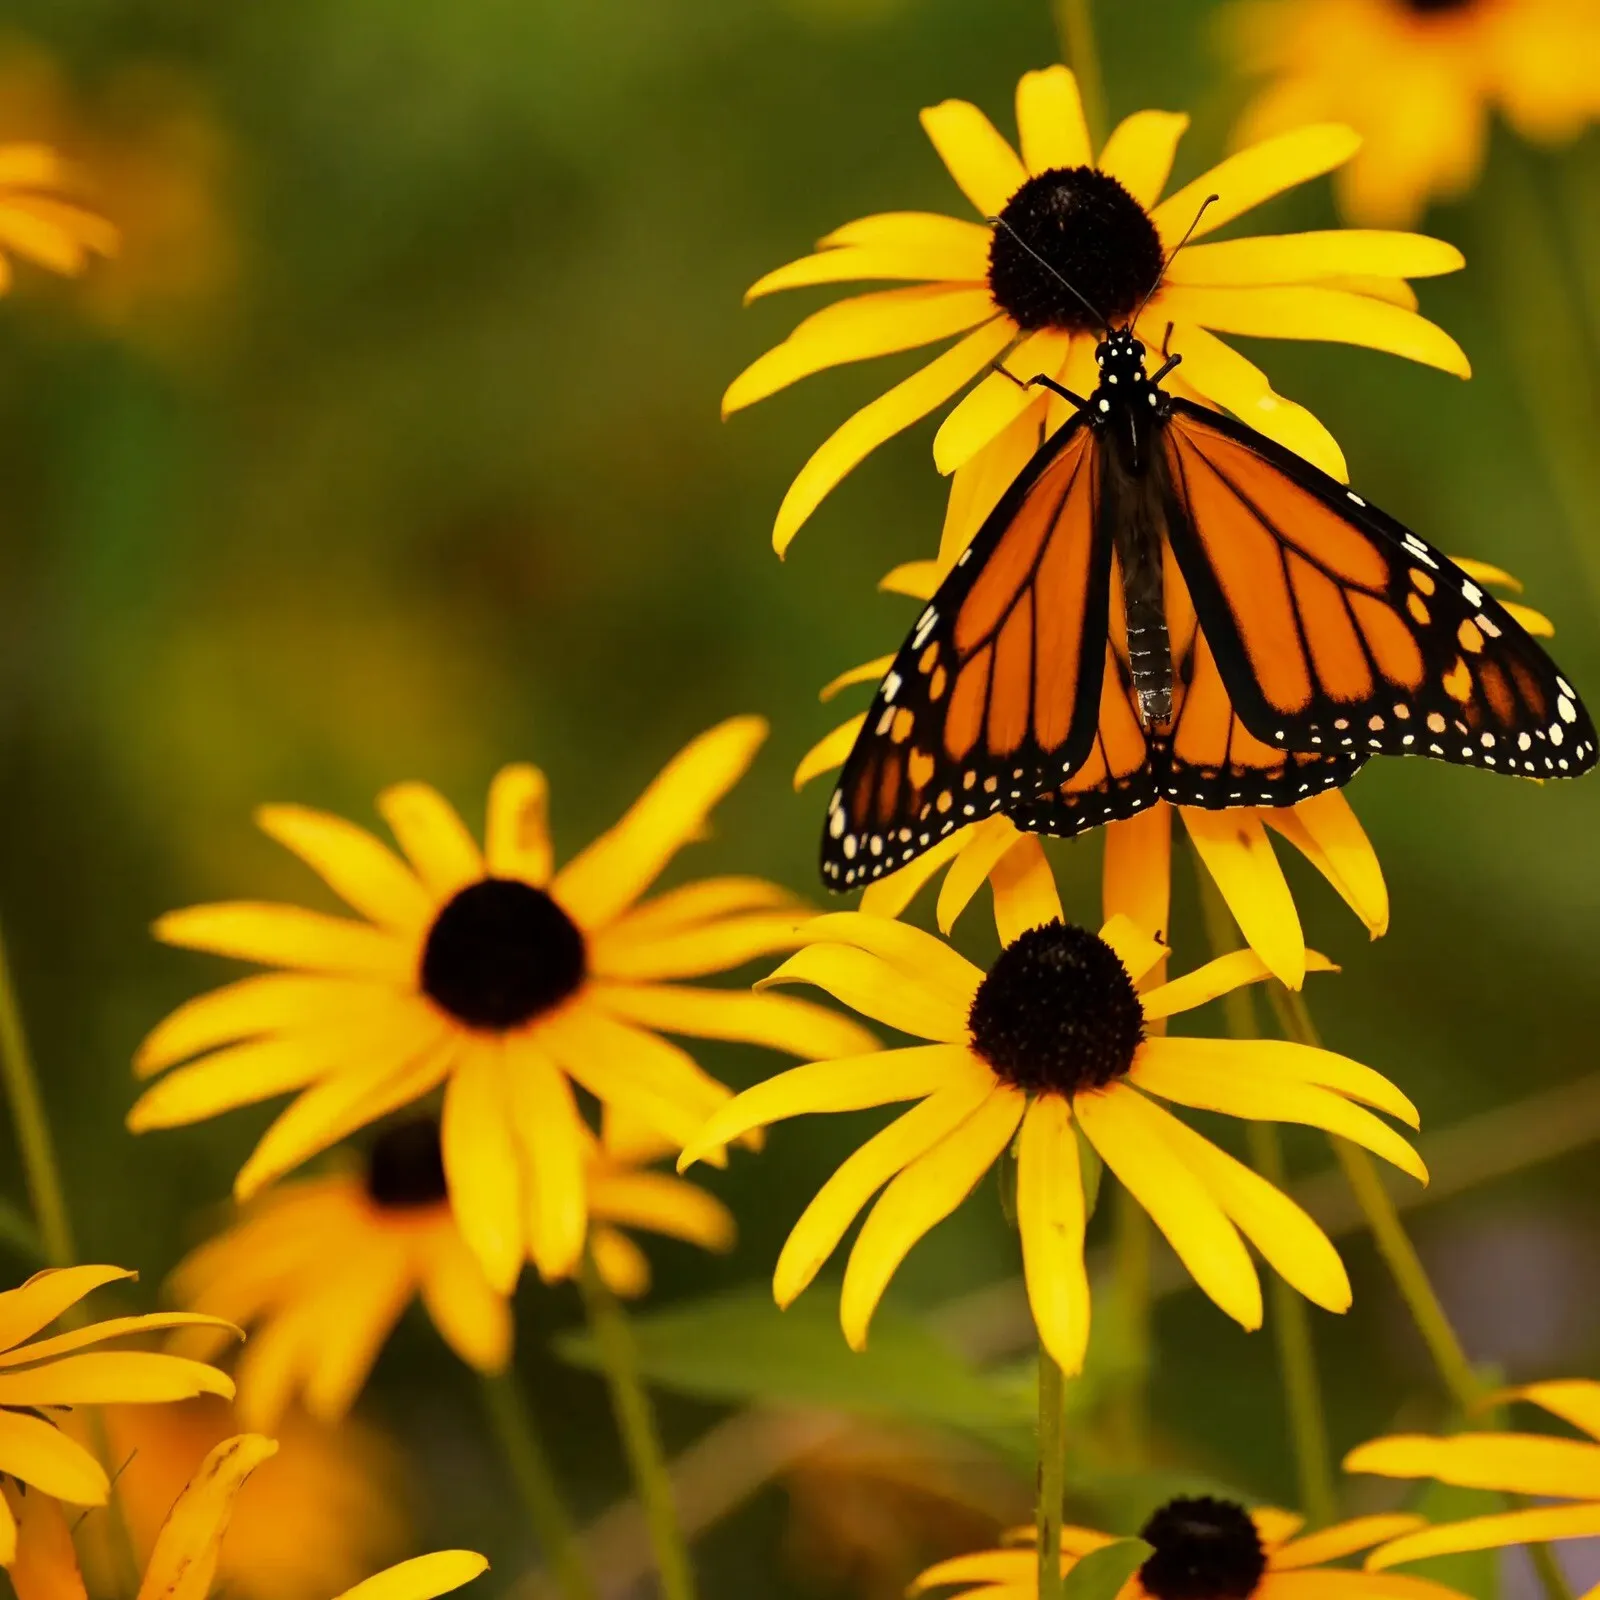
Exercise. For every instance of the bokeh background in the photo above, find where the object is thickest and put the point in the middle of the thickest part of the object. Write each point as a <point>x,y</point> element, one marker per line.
<point>390,448</point>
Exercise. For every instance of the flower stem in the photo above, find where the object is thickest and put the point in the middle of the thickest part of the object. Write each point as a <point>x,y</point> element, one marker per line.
<point>506,1407</point>
<point>1127,1419</point>
<point>1052,1473</point>
<point>637,1425</point>
<point>1075,25</point>
<point>41,1171</point>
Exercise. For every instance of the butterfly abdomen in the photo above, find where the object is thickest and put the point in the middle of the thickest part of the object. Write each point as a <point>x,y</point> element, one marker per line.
<point>1132,503</point>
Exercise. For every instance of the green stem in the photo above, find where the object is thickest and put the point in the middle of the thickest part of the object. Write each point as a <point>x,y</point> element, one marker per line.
<point>1052,1473</point>
<point>41,1171</point>
<point>1291,1321</point>
<point>509,1416</point>
<point>1132,1237</point>
<point>637,1425</point>
<point>1075,25</point>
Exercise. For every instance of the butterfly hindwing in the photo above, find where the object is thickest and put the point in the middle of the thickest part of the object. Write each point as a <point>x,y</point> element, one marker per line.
<point>1335,629</point>
<point>996,688</point>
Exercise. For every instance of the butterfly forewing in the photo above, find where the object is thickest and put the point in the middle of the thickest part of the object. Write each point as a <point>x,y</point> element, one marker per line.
<point>1337,630</point>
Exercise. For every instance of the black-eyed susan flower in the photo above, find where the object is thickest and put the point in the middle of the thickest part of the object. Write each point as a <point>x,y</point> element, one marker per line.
<point>1058,212</point>
<point>37,223</point>
<point>1565,1471</point>
<point>1054,1040</point>
<point>65,1370</point>
<point>1419,80</point>
<point>493,974</point>
<point>325,1510</point>
<point>1206,1549</point>
<point>186,1556</point>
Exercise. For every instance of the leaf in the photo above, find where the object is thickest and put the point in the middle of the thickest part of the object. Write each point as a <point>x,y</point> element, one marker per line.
<point>739,1347</point>
<point>1101,1574</point>
<point>18,1233</point>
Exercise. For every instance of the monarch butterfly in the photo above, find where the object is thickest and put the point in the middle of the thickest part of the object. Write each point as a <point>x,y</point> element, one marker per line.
<point>1167,605</point>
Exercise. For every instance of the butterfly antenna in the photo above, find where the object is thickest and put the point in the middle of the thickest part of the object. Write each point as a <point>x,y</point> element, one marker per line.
<point>1188,233</point>
<point>1071,288</point>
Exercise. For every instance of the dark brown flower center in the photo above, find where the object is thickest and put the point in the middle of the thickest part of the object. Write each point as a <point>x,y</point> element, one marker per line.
<point>405,1166</point>
<point>1057,1013</point>
<point>1205,1549</point>
<point>500,953</point>
<point>1429,8</point>
<point>1079,225</point>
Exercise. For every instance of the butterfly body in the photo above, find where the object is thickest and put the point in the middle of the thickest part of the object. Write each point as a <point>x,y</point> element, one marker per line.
<point>1165,605</point>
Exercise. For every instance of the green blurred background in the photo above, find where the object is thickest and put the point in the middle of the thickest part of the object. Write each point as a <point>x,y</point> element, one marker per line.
<point>391,449</point>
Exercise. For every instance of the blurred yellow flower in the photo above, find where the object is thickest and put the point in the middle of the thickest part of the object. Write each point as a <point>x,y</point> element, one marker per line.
<point>1055,1039</point>
<point>1418,80</point>
<point>37,224</point>
<point>1565,1470</point>
<point>55,1372</point>
<point>185,1559</point>
<point>491,973</point>
<point>1207,1549</point>
<point>1059,212</point>
<point>324,1510</point>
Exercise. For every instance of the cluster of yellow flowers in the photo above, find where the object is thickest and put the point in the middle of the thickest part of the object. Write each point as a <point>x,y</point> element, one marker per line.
<point>503,1022</point>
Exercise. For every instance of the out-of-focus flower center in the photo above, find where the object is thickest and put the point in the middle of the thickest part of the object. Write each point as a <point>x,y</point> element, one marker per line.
<point>1057,1012</point>
<point>1092,232</point>
<point>405,1167</point>
<point>1205,1549</point>
<point>1428,8</point>
<point>500,953</point>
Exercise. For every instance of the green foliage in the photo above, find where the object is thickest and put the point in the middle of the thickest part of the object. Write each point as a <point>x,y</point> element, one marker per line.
<point>1101,1574</point>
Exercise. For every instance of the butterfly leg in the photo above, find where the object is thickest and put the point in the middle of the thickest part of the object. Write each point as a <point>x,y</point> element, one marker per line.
<point>1165,367</point>
<point>1039,380</point>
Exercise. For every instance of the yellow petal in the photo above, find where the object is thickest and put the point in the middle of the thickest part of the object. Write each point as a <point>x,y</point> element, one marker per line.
<point>39,1301</point>
<point>960,249</point>
<point>853,1083</point>
<point>27,165</point>
<point>920,956</point>
<point>1343,1539</point>
<point>480,1163</point>
<point>1310,257</point>
<point>1269,1219</point>
<point>664,1205</point>
<point>983,846</point>
<point>433,836</point>
<point>360,869</point>
<point>360,1309</point>
<point>859,263</point>
<point>839,1201</point>
<point>1330,1583</point>
<point>1119,1125</point>
<point>984,166</point>
<point>621,864</point>
<point>1135,949</point>
<point>623,1266</point>
<point>1537,1526</point>
<point>1313,311</point>
<point>183,1561</point>
<point>1274,1525</point>
<point>1244,180</point>
<point>112,1377</point>
<point>552,1138</point>
<point>1050,1217</point>
<point>471,1318</point>
<point>869,985</point>
<point>889,414</point>
<point>1140,152</point>
<point>421,1578</point>
<point>778,1021</point>
<point>517,836</point>
<point>35,1453</point>
<point>889,895</point>
<point>1574,1400</point>
<point>860,329</point>
<point>991,406</point>
<point>1137,876</point>
<point>1233,846</point>
<point>1489,575</point>
<point>977,487</point>
<point>288,936</point>
<point>1535,622</point>
<point>44,1565</point>
<point>1050,121</point>
<point>867,672</point>
<point>1328,834</point>
<point>1519,1463</point>
<point>113,1328</point>
<point>1024,890</point>
<point>1240,1089</point>
<point>1004,1571</point>
<point>924,1193</point>
<point>829,751</point>
<point>622,952</point>
<point>694,904</point>
<point>918,579</point>
<point>1217,977</point>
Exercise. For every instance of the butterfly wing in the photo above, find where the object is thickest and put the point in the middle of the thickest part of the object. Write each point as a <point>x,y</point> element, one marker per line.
<point>1334,629</point>
<point>996,689</point>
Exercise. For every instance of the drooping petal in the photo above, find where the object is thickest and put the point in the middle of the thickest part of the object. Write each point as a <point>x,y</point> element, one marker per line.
<point>552,1136</point>
<point>607,877</point>
<point>623,1267</point>
<point>1333,1583</point>
<point>44,1564</point>
<point>924,1193</point>
<point>1137,950</point>
<point>1234,848</point>
<point>994,403</point>
<point>1326,831</point>
<point>38,1454</point>
<point>829,751</point>
<point>1519,1463</point>
<point>859,329</point>
<point>364,872</point>
<point>889,895</point>
<point>112,1377</point>
<point>694,904</point>
<point>915,579</point>
<point>1220,976</point>
<point>421,1578</point>
<point>1050,121</point>
<point>1140,152</point>
<point>480,1163</point>
<point>289,936</point>
<point>854,1083</point>
<point>1315,257</point>
<point>1129,1142</point>
<point>870,985</point>
<point>1050,1217</point>
<point>39,1301</point>
<point>778,1021</point>
<point>1537,1526</point>
<point>113,1328</point>
<point>471,1318</point>
<point>624,952</point>
<point>1024,889</point>
<point>1574,1400</point>
<point>983,846</point>
<point>433,836</point>
<point>984,166</point>
<point>1136,880</point>
<point>363,1304</point>
<point>662,1204</point>
<point>1343,1539</point>
<point>517,830</point>
<point>858,436</point>
<point>867,672</point>
<point>921,957</point>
